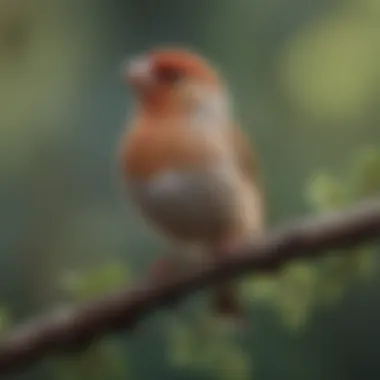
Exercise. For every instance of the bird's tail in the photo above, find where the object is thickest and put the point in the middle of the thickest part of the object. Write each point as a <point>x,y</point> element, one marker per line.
<point>227,305</point>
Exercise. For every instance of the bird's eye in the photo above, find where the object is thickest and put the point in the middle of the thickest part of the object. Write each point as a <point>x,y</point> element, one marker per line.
<point>169,74</point>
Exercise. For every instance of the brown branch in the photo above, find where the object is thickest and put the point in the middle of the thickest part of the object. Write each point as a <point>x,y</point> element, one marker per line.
<point>67,330</point>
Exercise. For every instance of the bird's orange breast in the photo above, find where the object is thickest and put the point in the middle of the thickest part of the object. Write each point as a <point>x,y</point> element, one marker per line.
<point>149,149</point>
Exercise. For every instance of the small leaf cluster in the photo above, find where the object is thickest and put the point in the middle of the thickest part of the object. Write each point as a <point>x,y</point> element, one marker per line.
<point>301,286</point>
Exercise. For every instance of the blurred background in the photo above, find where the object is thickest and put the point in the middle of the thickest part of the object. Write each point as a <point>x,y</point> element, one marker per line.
<point>305,75</point>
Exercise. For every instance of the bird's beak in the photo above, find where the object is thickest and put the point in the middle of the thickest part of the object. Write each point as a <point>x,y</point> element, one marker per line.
<point>139,72</point>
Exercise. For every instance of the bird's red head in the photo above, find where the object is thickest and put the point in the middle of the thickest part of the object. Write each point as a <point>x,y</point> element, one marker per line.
<point>166,67</point>
<point>168,73</point>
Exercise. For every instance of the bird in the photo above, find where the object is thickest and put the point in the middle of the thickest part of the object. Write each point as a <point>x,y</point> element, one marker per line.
<point>187,163</point>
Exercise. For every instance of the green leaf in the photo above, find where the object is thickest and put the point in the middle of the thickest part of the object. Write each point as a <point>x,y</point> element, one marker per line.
<point>364,174</point>
<point>297,294</point>
<point>233,364</point>
<point>261,288</point>
<point>96,281</point>
<point>366,267</point>
<point>325,193</point>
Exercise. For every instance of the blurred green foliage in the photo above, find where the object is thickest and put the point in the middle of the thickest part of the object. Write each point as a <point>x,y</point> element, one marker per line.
<point>305,78</point>
<point>95,281</point>
<point>104,359</point>
<point>206,345</point>
<point>302,286</point>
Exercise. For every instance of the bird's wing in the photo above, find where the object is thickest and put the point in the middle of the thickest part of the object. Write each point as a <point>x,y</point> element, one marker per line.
<point>248,165</point>
<point>245,155</point>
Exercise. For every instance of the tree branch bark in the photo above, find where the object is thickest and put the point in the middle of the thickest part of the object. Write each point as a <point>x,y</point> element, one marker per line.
<point>72,329</point>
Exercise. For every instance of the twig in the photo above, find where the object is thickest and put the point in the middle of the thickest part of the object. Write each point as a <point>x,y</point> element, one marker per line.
<point>75,328</point>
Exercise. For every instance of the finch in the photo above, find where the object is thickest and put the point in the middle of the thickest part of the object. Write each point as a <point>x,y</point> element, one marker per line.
<point>186,163</point>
